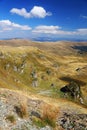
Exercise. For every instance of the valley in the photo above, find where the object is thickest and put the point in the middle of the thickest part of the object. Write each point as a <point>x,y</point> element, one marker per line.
<point>37,71</point>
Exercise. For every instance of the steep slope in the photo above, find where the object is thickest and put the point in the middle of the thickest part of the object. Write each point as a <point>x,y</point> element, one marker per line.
<point>27,67</point>
<point>41,70</point>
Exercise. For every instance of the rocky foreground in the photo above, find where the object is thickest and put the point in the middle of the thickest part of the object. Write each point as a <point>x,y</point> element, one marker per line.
<point>20,112</point>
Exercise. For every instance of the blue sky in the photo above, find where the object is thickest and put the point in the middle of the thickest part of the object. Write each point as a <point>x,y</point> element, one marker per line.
<point>43,18</point>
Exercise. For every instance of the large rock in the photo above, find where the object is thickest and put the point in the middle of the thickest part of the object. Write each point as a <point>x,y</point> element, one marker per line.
<point>73,89</point>
<point>73,121</point>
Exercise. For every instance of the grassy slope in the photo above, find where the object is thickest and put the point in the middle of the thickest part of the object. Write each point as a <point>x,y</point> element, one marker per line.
<point>57,57</point>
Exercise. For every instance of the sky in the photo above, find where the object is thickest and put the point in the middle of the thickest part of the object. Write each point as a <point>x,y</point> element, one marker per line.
<point>43,19</point>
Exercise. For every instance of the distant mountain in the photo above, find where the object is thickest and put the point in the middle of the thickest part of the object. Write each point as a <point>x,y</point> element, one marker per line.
<point>52,39</point>
<point>48,39</point>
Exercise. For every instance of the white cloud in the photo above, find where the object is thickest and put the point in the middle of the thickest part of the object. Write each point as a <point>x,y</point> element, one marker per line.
<point>50,30</point>
<point>40,12</point>
<point>83,16</point>
<point>7,25</point>
<point>46,29</point>
<point>36,11</point>
<point>82,31</point>
<point>57,30</point>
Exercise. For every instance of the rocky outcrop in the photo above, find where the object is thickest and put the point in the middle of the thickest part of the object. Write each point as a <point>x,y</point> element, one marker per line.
<point>73,90</point>
<point>73,121</point>
<point>35,83</point>
<point>34,78</point>
<point>2,56</point>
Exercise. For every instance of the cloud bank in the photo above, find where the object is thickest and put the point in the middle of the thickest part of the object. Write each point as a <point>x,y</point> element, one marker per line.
<point>46,29</point>
<point>50,30</point>
<point>57,30</point>
<point>7,25</point>
<point>36,11</point>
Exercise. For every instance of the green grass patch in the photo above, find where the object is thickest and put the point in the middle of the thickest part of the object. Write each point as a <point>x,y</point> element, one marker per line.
<point>38,122</point>
<point>11,118</point>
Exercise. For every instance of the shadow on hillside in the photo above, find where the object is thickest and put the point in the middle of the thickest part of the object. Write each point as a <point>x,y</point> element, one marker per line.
<point>70,79</point>
<point>80,48</point>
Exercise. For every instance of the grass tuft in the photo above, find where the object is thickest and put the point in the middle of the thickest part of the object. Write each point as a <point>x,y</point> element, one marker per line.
<point>11,118</point>
<point>38,122</point>
<point>49,115</point>
<point>21,111</point>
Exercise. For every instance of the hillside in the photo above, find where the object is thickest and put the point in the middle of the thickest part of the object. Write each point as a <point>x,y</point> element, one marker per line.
<point>40,71</point>
<point>60,47</point>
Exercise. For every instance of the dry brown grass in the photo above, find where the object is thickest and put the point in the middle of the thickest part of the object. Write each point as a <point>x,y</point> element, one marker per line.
<point>22,108</point>
<point>49,114</point>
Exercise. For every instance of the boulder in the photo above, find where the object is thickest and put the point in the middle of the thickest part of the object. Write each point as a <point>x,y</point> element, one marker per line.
<point>15,68</point>
<point>35,83</point>
<point>73,90</point>
<point>52,85</point>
